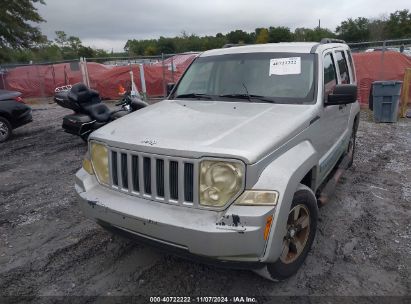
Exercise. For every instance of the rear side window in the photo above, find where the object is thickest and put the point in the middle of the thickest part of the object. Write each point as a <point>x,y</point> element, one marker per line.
<point>351,64</point>
<point>330,77</point>
<point>343,67</point>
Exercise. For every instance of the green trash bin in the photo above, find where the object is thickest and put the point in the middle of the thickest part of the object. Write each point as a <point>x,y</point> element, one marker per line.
<point>386,98</point>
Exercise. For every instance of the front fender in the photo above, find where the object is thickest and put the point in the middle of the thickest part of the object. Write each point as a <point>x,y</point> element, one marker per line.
<point>284,175</point>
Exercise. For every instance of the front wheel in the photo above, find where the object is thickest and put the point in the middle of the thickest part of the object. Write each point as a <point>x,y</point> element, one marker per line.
<point>5,129</point>
<point>300,233</point>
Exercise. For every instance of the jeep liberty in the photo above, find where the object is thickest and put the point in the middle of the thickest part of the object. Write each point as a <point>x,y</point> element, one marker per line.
<point>232,166</point>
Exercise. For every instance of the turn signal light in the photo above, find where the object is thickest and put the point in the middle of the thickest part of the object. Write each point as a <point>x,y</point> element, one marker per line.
<point>268,227</point>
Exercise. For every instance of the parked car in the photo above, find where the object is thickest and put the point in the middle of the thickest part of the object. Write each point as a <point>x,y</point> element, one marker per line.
<point>13,113</point>
<point>232,166</point>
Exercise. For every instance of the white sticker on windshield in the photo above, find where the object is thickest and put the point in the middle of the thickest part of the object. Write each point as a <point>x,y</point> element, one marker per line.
<point>285,66</point>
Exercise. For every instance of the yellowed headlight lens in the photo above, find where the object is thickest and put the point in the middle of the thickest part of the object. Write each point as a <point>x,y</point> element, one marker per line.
<point>99,158</point>
<point>87,165</point>
<point>258,198</point>
<point>219,182</point>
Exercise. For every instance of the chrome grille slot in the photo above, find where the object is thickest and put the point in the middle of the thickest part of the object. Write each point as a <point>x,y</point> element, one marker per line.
<point>173,180</point>
<point>124,171</point>
<point>147,175</point>
<point>160,178</point>
<point>114,171</point>
<point>136,181</point>
<point>188,182</point>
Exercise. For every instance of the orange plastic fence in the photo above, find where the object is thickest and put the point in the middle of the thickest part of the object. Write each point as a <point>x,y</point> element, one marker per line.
<point>372,66</point>
<point>40,80</point>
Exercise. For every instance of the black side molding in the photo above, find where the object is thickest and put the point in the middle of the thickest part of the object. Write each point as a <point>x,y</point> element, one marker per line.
<point>314,119</point>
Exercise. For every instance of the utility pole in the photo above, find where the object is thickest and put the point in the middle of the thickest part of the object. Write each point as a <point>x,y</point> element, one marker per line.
<point>319,23</point>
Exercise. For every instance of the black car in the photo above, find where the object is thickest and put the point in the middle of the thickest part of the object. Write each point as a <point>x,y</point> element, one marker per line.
<point>13,113</point>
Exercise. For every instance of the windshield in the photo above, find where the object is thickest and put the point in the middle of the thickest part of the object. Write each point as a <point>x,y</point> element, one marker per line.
<point>257,77</point>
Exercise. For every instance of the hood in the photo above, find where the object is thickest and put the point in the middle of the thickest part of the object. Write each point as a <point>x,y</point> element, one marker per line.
<point>197,128</point>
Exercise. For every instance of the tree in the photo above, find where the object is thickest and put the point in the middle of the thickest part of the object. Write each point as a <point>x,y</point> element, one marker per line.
<point>16,19</point>
<point>49,52</point>
<point>150,51</point>
<point>85,51</point>
<point>166,45</point>
<point>238,36</point>
<point>377,29</point>
<point>399,25</point>
<point>302,34</point>
<point>354,30</point>
<point>74,43</point>
<point>262,35</point>
<point>18,30</point>
<point>315,35</point>
<point>61,39</point>
<point>279,34</point>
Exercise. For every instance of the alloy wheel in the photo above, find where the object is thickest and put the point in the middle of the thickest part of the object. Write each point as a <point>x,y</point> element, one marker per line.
<point>298,230</point>
<point>4,131</point>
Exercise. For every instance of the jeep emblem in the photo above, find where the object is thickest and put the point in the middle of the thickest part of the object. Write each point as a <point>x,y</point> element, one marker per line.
<point>149,142</point>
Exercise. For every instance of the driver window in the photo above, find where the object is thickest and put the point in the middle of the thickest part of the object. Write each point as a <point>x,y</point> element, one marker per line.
<point>330,76</point>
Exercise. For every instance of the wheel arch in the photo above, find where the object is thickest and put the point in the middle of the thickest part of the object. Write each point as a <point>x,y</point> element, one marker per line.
<point>284,175</point>
<point>5,115</point>
<point>310,178</point>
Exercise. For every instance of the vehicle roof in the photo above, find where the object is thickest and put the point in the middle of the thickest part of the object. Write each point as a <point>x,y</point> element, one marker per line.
<point>282,47</point>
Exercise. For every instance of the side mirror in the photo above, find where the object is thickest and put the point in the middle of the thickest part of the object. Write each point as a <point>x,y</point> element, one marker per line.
<point>342,94</point>
<point>170,87</point>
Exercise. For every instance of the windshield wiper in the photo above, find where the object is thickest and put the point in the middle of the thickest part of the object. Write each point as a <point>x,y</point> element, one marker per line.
<point>194,95</point>
<point>246,90</point>
<point>250,97</point>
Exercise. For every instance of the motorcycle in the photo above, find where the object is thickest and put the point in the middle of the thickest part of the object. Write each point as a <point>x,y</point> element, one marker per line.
<point>89,112</point>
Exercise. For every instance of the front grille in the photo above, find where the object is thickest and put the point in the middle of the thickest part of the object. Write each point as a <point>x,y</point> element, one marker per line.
<point>147,175</point>
<point>174,180</point>
<point>188,181</point>
<point>160,178</point>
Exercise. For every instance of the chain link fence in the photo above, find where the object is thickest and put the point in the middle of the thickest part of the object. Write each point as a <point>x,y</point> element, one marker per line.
<point>396,45</point>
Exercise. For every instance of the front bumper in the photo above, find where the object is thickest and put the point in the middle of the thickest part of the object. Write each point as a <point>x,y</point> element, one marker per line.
<point>236,234</point>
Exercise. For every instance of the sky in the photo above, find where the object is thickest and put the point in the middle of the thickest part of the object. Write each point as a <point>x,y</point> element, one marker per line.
<point>108,24</point>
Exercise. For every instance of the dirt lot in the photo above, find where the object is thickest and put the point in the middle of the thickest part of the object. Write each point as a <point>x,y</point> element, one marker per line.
<point>362,247</point>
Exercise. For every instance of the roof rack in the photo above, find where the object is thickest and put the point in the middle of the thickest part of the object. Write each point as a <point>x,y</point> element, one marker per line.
<point>331,40</point>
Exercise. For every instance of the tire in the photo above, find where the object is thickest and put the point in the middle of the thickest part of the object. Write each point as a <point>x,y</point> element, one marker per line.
<point>305,204</point>
<point>5,129</point>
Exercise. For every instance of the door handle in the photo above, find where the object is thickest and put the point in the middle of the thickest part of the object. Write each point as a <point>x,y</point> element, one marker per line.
<point>340,107</point>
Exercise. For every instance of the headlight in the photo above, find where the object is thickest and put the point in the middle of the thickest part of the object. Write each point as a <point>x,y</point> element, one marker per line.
<point>99,159</point>
<point>87,164</point>
<point>219,182</point>
<point>258,198</point>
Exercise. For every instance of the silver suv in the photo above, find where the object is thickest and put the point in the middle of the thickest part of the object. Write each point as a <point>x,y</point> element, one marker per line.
<point>233,165</point>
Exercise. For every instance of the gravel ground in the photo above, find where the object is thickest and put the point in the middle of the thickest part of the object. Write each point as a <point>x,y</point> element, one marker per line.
<point>362,247</point>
